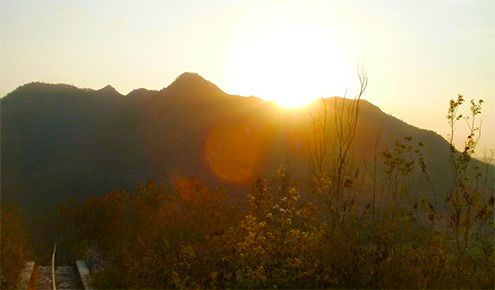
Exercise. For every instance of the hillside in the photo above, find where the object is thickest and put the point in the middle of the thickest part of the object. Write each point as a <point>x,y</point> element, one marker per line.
<point>60,142</point>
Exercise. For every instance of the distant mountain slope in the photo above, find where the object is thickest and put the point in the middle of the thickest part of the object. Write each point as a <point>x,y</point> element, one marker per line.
<point>61,142</point>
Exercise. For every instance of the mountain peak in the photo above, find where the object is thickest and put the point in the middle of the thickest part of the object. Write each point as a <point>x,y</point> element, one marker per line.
<point>192,84</point>
<point>108,89</point>
<point>40,88</point>
<point>190,76</point>
<point>190,79</point>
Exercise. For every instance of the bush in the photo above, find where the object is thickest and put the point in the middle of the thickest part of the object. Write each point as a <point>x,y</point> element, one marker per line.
<point>15,245</point>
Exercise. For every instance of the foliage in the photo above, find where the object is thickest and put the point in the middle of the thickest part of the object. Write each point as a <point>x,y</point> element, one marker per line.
<point>276,243</point>
<point>15,245</point>
<point>185,235</point>
<point>469,206</point>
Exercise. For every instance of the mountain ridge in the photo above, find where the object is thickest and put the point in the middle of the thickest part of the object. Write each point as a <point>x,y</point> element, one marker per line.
<point>60,142</point>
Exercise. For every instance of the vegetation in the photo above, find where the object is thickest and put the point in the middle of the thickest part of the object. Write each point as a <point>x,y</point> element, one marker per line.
<point>415,212</point>
<point>185,235</point>
<point>15,245</point>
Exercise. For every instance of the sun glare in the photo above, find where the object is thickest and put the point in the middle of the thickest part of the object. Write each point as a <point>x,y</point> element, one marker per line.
<point>293,102</point>
<point>292,66</point>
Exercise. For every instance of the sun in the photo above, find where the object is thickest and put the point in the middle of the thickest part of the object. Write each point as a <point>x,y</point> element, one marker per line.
<point>291,66</point>
<point>293,102</point>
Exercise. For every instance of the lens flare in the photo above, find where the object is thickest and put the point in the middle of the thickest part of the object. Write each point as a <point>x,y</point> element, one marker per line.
<point>236,151</point>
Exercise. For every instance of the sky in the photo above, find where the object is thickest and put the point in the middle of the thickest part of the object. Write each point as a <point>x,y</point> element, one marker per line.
<point>417,54</point>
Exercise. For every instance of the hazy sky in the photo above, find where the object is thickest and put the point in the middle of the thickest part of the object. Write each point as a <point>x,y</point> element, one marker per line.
<point>418,54</point>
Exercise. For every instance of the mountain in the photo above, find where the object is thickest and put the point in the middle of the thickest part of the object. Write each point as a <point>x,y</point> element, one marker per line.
<point>60,142</point>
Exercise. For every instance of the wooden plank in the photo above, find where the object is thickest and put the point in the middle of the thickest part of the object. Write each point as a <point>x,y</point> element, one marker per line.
<point>84,274</point>
<point>25,275</point>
